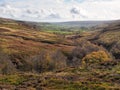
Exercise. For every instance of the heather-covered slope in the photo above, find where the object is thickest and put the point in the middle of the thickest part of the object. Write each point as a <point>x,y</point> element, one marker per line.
<point>35,59</point>
<point>109,38</point>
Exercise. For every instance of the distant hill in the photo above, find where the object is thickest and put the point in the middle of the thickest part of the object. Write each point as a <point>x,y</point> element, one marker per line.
<point>70,24</point>
<point>83,23</point>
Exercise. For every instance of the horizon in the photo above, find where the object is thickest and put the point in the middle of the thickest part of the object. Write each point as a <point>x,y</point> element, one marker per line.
<point>60,21</point>
<point>60,10</point>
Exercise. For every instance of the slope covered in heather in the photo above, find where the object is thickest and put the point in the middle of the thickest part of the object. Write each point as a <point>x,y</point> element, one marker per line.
<point>35,58</point>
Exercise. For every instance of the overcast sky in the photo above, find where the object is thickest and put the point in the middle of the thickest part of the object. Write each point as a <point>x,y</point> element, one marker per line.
<point>60,10</point>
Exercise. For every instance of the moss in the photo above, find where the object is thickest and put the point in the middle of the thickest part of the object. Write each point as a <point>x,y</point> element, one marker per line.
<point>12,79</point>
<point>66,85</point>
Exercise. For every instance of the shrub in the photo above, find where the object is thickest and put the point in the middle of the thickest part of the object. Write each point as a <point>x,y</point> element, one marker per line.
<point>83,48</point>
<point>58,60</point>
<point>40,64</point>
<point>46,61</point>
<point>115,50</point>
<point>95,57</point>
<point>6,66</point>
<point>21,61</point>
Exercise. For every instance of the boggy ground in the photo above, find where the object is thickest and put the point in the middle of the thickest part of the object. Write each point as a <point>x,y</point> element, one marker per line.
<point>103,76</point>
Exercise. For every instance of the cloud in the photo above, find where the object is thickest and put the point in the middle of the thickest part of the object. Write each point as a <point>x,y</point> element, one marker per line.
<point>53,16</point>
<point>9,11</point>
<point>78,12</point>
<point>60,10</point>
<point>75,10</point>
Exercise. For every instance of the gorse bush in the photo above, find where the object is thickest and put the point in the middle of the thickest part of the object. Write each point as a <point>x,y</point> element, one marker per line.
<point>95,57</point>
<point>84,48</point>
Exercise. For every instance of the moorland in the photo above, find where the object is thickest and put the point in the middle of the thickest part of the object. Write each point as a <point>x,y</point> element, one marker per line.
<point>59,56</point>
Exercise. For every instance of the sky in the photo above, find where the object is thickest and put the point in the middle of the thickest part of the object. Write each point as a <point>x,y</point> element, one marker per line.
<point>60,10</point>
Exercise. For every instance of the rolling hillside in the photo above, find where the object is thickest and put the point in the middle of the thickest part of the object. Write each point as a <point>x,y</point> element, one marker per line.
<point>31,58</point>
<point>84,23</point>
<point>109,38</point>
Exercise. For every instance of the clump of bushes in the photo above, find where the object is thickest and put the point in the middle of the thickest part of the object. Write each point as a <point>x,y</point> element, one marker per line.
<point>84,48</point>
<point>115,50</point>
<point>95,57</point>
<point>6,66</point>
<point>41,62</point>
<point>46,61</point>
